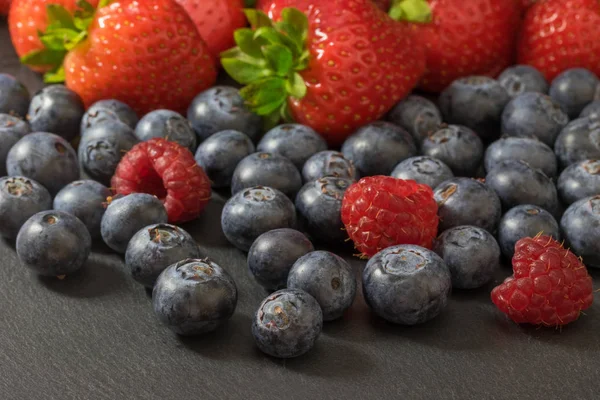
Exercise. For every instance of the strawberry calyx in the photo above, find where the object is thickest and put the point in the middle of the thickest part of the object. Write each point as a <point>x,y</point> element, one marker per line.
<point>417,11</point>
<point>267,59</point>
<point>64,32</point>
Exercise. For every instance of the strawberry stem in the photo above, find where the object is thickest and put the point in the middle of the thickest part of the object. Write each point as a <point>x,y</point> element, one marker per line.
<point>411,11</point>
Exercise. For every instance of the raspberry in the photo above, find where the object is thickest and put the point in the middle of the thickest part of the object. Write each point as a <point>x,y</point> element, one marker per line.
<point>381,211</point>
<point>168,171</point>
<point>550,285</point>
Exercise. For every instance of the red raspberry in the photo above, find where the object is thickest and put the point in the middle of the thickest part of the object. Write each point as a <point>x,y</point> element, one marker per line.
<point>381,211</point>
<point>550,285</point>
<point>168,171</point>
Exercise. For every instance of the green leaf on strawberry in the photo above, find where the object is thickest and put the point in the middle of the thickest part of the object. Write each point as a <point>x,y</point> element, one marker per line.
<point>411,10</point>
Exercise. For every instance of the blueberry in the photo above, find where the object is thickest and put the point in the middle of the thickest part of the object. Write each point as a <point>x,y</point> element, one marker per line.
<point>327,278</point>
<point>319,205</point>
<point>254,211</point>
<point>102,147</point>
<point>12,129</point>
<point>153,248</point>
<point>266,169</point>
<point>535,153</point>
<point>53,243</point>
<point>287,323</point>
<point>168,125</point>
<point>471,253</point>
<point>328,163</point>
<point>14,96</point>
<point>475,102</point>
<point>46,158</point>
<point>520,79</point>
<point>220,154</point>
<point>574,89</point>
<point>58,110</point>
<point>516,183</point>
<point>534,115</point>
<point>592,109</point>
<point>376,148</point>
<point>456,146</point>
<point>524,221</point>
<point>273,254</point>
<point>86,200</point>
<point>293,141</point>
<point>466,201</point>
<point>108,110</point>
<point>125,215</point>
<point>580,225</point>
<point>221,108</point>
<point>417,115</point>
<point>578,181</point>
<point>194,296</point>
<point>406,284</point>
<point>20,198</point>
<point>578,141</point>
<point>423,169</point>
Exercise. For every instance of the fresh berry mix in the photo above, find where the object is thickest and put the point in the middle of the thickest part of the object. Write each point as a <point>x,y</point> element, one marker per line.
<point>153,248</point>
<point>254,211</point>
<point>578,181</point>
<point>456,146</point>
<point>417,115</point>
<point>194,296</point>
<point>293,141</point>
<point>12,129</point>
<point>53,243</point>
<point>550,285</point>
<point>520,79</point>
<point>20,198</point>
<point>376,148</point>
<point>522,222</point>
<point>578,141</point>
<point>14,96</point>
<point>319,205</point>
<point>85,199</point>
<point>267,169</point>
<point>574,89</point>
<point>287,323</point>
<point>327,278</point>
<point>471,253</point>
<point>103,146</point>
<point>126,215</point>
<point>406,284</point>
<point>222,108</point>
<point>46,158</point>
<point>58,110</point>
<point>580,225</point>
<point>168,125</point>
<point>475,102</point>
<point>591,110</point>
<point>273,254</point>
<point>516,183</point>
<point>537,154</point>
<point>168,171</point>
<point>108,110</point>
<point>427,170</point>
<point>534,115</point>
<point>328,163</point>
<point>382,211</point>
<point>466,201</point>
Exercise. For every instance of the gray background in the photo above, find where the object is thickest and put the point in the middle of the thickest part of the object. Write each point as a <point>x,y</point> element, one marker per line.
<point>94,336</point>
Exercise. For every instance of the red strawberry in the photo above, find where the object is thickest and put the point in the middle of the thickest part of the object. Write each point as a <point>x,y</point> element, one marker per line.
<point>463,38</point>
<point>381,211</point>
<point>561,34</point>
<point>4,6</point>
<point>216,21</point>
<point>340,65</point>
<point>550,285</point>
<point>383,4</point>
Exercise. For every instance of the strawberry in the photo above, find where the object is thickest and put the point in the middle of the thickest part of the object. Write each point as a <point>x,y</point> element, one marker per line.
<point>334,65</point>
<point>383,4</point>
<point>148,54</point>
<point>4,6</point>
<point>462,38</point>
<point>561,34</point>
<point>216,21</point>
